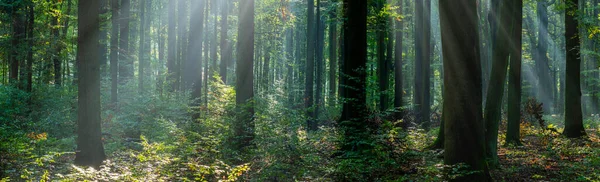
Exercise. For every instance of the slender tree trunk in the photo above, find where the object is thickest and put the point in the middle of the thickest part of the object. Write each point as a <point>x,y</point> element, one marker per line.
<point>422,62</point>
<point>382,68</point>
<point>224,42</point>
<point>114,52</point>
<point>18,34</point>
<point>172,46</point>
<point>213,41</point>
<point>333,59</point>
<point>310,65</point>
<point>319,64</point>
<point>30,38</point>
<point>193,69</point>
<point>206,54</point>
<point>142,51</point>
<point>244,129</point>
<point>398,64</point>
<point>125,61</point>
<point>497,82</point>
<point>354,77</point>
<point>573,113</point>
<point>90,151</point>
<point>464,127</point>
<point>544,92</point>
<point>514,75</point>
<point>182,41</point>
<point>103,49</point>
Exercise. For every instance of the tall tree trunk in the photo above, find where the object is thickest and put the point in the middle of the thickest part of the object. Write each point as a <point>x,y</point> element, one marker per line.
<point>398,64</point>
<point>464,127</point>
<point>103,49</point>
<point>544,92</point>
<point>193,69</point>
<point>18,34</point>
<point>354,77</point>
<point>319,63</point>
<point>125,61</point>
<point>573,113</point>
<point>495,92</point>
<point>244,129</point>
<point>224,42</point>
<point>29,65</point>
<point>114,52</point>
<point>514,76</point>
<point>333,57</point>
<point>56,62</point>
<point>382,68</point>
<point>172,46</point>
<point>213,41</point>
<point>90,151</point>
<point>422,62</point>
<point>206,50</point>
<point>160,78</point>
<point>182,46</point>
<point>310,65</point>
<point>142,51</point>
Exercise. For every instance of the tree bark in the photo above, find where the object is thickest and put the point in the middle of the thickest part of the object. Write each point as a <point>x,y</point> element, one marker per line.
<point>464,127</point>
<point>90,151</point>
<point>333,59</point>
<point>244,129</point>
<point>514,76</point>
<point>573,113</point>
<point>125,61</point>
<point>172,46</point>
<point>310,66</point>
<point>382,68</point>
<point>114,52</point>
<point>193,69</point>
<point>422,62</point>
<point>224,42</point>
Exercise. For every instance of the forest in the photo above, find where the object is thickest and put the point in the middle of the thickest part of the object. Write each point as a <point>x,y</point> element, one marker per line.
<point>299,90</point>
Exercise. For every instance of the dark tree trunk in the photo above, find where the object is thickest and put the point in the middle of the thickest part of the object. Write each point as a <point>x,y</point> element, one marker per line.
<point>224,42</point>
<point>18,34</point>
<point>90,151</point>
<point>514,75</point>
<point>142,50</point>
<point>213,40</point>
<point>544,92</point>
<point>382,68</point>
<point>206,49</point>
<point>319,64</point>
<point>103,49</point>
<point>333,59</point>
<point>398,64</point>
<point>160,78</point>
<point>354,76</point>
<point>182,41</point>
<point>29,65</point>
<point>114,52</point>
<point>56,62</point>
<point>464,127</point>
<point>193,69</point>
<point>422,62</point>
<point>573,113</point>
<point>172,46</point>
<point>495,92</point>
<point>310,66</point>
<point>244,129</point>
<point>125,61</point>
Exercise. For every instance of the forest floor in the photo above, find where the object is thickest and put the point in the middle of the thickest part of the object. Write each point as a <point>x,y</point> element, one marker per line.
<point>544,155</point>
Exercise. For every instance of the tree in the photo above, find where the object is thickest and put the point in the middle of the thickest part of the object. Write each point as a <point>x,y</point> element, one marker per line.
<point>462,110</point>
<point>18,33</point>
<point>172,46</point>
<point>224,42</point>
<point>398,64</point>
<point>544,92</point>
<point>244,129</point>
<point>319,64</point>
<point>143,43</point>
<point>310,65</point>
<point>114,51</point>
<point>423,61</point>
<point>125,62</point>
<point>514,75</point>
<point>354,76</point>
<point>573,113</point>
<point>500,58</point>
<point>333,59</point>
<point>193,69</point>
<point>382,68</point>
<point>90,151</point>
